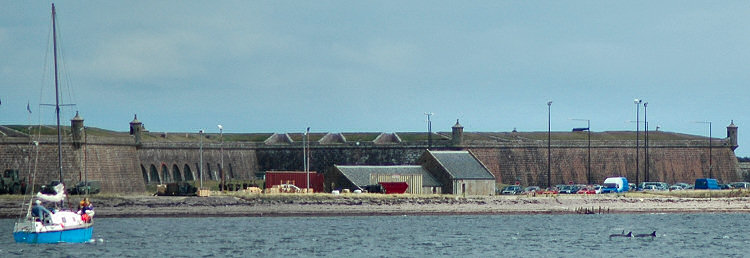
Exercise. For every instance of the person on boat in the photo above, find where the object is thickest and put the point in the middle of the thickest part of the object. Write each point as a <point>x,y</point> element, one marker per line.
<point>83,209</point>
<point>84,206</point>
<point>41,212</point>
<point>81,206</point>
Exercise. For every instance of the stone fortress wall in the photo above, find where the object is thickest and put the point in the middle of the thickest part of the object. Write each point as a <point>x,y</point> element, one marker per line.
<point>128,162</point>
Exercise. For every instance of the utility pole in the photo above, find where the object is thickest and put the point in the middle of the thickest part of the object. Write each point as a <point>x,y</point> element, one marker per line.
<point>429,129</point>
<point>549,145</point>
<point>647,178</point>
<point>305,158</point>
<point>223,185</point>
<point>637,137</point>
<point>200,165</point>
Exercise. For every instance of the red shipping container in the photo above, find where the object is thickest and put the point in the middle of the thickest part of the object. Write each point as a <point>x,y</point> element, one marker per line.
<point>394,187</point>
<point>297,178</point>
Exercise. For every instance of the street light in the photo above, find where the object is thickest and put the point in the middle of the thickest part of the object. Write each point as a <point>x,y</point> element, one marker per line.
<point>549,145</point>
<point>710,145</point>
<point>588,161</point>
<point>637,144</point>
<point>429,129</point>
<point>645,141</point>
<point>305,159</point>
<point>221,154</point>
<point>200,165</point>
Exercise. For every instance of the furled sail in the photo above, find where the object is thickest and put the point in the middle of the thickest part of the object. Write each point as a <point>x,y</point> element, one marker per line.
<point>59,195</point>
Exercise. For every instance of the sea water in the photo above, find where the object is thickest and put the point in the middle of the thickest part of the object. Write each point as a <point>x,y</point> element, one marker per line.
<point>678,235</point>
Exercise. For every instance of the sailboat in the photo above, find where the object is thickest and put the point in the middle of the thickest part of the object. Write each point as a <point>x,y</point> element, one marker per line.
<point>60,226</point>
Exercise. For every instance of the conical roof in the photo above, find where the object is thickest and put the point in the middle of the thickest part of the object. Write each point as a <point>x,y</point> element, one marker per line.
<point>77,117</point>
<point>457,125</point>
<point>135,120</point>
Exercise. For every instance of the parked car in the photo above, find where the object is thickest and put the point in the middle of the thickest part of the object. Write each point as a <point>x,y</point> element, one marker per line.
<point>615,185</point>
<point>531,189</point>
<point>598,189</point>
<point>586,190</point>
<point>676,188</point>
<point>740,185</point>
<point>513,189</point>
<point>658,186</point>
<point>683,185</point>
<point>569,189</point>
<point>552,190</point>
<point>706,183</point>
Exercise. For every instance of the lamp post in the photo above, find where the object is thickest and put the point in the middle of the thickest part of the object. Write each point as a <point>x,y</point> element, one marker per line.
<point>646,177</point>
<point>222,187</point>
<point>710,145</point>
<point>429,129</point>
<point>305,159</point>
<point>588,161</point>
<point>549,145</point>
<point>200,165</point>
<point>637,144</point>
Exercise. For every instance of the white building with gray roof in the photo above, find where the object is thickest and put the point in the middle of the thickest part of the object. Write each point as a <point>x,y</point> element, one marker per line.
<point>460,172</point>
<point>360,177</point>
<point>438,172</point>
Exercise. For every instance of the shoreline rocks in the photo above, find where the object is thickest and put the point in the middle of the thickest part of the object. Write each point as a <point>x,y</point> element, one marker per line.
<point>239,205</point>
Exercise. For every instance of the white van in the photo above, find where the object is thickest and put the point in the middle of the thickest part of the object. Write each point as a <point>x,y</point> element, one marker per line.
<point>615,185</point>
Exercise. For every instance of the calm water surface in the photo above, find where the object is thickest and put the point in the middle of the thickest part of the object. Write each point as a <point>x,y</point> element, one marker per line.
<point>678,235</point>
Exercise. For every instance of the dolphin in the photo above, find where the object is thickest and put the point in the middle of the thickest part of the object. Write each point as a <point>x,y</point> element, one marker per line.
<point>629,234</point>
<point>653,234</point>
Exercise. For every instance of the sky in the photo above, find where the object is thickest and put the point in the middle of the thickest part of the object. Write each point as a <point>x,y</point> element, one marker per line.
<point>378,66</point>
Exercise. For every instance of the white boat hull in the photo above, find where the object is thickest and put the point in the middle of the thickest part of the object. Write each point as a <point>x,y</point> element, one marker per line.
<point>64,227</point>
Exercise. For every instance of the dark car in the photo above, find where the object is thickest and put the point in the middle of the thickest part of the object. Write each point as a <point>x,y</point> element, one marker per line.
<point>513,189</point>
<point>569,189</point>
<point>86,187</point>
<point>742,185</point>
<point>531,189</point>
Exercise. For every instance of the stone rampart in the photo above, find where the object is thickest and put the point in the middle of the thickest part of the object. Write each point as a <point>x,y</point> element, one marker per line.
<point>666,163</point>
<point>113,163</point>
<point>123,166</point>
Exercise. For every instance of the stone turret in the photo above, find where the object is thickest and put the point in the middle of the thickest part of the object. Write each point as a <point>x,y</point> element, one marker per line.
<point>76,128</point>
<point>136,127</point>
<point>458,134</point>
<point>732,135</point>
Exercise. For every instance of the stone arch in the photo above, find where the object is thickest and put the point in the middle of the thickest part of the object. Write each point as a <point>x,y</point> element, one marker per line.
<point>210,173</point>
<point>165,174</point>
<point>145,174</point>
<point>176,173</point>
<point>188,173</point>
<point>198,171</point>
<point>218,172</point>
<point>154,174</point>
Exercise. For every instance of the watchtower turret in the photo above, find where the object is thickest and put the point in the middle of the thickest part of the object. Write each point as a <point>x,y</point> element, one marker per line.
<point>732,135</point>
<point>76,128</point>
<point>458,134</point>
<point>136,127</point>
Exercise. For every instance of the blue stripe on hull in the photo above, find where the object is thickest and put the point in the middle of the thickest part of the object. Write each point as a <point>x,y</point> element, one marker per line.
<point>80,235</point>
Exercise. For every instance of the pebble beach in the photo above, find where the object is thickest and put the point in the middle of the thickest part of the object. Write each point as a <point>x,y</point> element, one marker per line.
<point>237,204</point>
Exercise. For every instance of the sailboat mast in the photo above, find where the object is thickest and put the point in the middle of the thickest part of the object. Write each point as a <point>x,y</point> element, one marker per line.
<point>57,96</point>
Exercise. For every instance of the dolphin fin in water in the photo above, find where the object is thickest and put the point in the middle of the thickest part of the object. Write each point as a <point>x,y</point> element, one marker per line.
<point>653,234</point>
<point>629,234</point>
